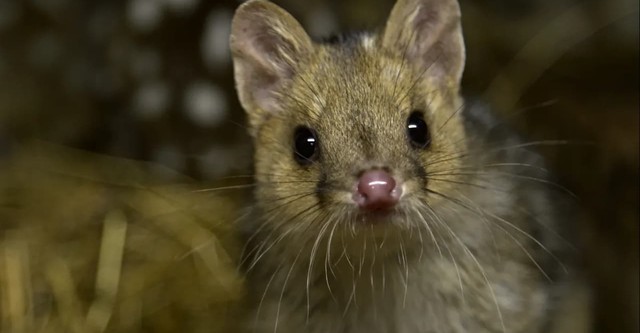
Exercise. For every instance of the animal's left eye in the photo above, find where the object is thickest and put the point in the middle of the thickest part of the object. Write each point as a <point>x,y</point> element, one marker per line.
<point>418,131</point>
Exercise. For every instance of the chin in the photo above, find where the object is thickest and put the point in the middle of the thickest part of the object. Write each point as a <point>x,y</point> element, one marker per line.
<point>370,234</point>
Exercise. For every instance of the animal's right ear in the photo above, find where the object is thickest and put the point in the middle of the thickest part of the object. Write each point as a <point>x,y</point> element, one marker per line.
<point>267,45</point>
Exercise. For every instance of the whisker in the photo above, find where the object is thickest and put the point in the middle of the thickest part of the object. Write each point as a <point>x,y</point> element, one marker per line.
<point>455,264</point>
<point>306,211</point>
<point>496,165</point>
<point>460,108</point>
<point>480,268</point>
<point>403,61</point>
<point>496,189</point>
<point>487,149</point>
<point>426,224</point>
<point>517,176</point>
<point>268,217</point>
<point>406,272</point>
<point>418,78</point>
<point>224,188</point>
<point>312,256</point>
<point>330,239</point>
<point>500,219</point>
<point>284,286</point>
<point>264,294</point>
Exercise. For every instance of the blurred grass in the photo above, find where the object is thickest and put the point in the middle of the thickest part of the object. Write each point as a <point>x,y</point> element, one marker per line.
<point>95,244</point>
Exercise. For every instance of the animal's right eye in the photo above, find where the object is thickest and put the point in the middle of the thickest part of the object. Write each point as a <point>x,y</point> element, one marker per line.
<point>305,145</point>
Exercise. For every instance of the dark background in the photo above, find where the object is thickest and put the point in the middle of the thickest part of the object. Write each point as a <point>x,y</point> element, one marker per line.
<point>151,80</point>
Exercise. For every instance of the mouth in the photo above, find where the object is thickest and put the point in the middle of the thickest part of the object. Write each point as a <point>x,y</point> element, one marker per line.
<point>382,218</point>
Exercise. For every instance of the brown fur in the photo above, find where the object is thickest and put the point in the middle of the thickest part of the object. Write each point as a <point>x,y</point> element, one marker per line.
<point>461,253</point>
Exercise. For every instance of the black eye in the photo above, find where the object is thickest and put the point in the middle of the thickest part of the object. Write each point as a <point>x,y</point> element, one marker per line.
<point>305,145</point>
<point>418,131</point>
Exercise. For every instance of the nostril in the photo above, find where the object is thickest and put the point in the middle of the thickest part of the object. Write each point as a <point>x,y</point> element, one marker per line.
<point>376,190</point>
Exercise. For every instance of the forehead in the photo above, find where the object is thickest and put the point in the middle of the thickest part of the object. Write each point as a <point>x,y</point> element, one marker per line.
<point>354,80</point>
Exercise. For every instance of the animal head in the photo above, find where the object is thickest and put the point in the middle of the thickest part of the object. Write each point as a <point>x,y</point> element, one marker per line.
<point>350,132</point>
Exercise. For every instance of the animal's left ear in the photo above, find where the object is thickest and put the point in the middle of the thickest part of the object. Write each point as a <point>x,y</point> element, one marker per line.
<point>428,33</point>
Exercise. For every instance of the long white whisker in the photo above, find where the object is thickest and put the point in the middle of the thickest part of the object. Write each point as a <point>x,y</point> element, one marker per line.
<point>455,264</point>
<point>482,271</point>
<point>284,286</point>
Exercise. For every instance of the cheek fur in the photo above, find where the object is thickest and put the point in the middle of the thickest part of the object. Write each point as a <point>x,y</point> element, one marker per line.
<point>418,169</point>
<point>322,189</point>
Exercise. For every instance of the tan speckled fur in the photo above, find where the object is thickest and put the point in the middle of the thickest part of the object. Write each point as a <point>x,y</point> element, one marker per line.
<point>468,246</point>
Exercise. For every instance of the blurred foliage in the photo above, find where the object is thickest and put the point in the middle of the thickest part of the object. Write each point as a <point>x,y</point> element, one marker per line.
<point>151,80</point>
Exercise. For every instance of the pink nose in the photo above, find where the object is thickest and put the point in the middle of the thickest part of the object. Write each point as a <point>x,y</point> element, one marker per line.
<point>376,190</point>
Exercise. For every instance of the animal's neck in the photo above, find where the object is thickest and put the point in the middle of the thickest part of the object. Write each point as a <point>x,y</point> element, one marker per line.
<point>343,276</point>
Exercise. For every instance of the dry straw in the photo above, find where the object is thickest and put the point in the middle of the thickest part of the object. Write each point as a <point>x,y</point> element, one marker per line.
<point>98,244</point>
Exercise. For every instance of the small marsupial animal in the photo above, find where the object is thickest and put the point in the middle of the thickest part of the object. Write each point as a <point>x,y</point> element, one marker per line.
<point>383,201</point>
